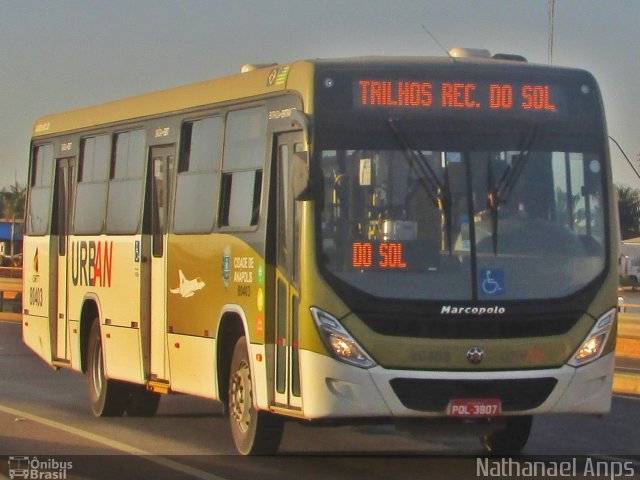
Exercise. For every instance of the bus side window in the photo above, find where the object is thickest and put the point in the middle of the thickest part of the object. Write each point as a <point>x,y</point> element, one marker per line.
<point>40,194</point>
<point>244,153</point>
<point>91,201</point>
<point>125,187</point>
<point>199,160</point>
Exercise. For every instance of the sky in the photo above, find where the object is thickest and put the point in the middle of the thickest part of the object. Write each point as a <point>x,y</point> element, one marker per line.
<point>57,55</point>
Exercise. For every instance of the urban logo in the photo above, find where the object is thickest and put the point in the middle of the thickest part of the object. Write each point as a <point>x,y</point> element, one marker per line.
<point>91,263</point>
<point>36,469</point>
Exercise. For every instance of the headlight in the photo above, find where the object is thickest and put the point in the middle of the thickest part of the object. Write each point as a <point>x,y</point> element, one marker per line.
<point>340,342</point>
<point>592,347</point>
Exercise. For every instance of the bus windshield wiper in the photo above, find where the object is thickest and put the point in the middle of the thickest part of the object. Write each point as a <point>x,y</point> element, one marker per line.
<point>435,188</point>
<point>419,163</point>
<point>492,199</point>
<point>499,194</point>
<point>512,173</point>
<point>504,189</point>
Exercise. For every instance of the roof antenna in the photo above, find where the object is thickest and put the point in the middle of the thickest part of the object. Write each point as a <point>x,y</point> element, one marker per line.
<point>438,43</point>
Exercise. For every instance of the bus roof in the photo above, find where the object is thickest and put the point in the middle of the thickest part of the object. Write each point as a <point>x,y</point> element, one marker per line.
<point>264,80</point>
<point>261,81</point>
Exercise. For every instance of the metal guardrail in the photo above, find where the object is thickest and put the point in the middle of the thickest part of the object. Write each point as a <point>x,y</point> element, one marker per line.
<point>628,346</point>
<point>10,272</point>
<point>11,293</point>
<point>628,322</point>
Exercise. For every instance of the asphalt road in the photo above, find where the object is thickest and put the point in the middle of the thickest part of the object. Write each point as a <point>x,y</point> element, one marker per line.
<point>44,415</point>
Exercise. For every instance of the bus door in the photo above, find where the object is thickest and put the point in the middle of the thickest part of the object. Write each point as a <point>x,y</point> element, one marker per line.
<point>63,195</point>
<point>287,370</point>
<point>161,163</point>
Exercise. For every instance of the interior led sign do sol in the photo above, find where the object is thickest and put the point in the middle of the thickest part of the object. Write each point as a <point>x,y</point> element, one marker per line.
<point>463,96</point>
<point>380,255</point>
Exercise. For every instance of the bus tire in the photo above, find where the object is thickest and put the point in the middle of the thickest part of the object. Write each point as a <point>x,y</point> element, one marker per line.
<point>108,398</point>
<point>254,432</point>
<point>142,402</point>
<point>511,439</point>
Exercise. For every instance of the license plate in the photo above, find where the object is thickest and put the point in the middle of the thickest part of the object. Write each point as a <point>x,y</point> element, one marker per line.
<point>474,407</point>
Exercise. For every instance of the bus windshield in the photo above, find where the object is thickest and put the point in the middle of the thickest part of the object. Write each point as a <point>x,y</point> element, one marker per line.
<point>467,213</point>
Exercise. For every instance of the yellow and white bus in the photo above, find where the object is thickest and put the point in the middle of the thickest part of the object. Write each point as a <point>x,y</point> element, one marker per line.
<point>343,240</point>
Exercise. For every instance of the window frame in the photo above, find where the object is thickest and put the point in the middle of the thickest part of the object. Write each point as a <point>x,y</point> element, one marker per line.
<point>226,197</point>
<point>118,181</point>
<point>183,172</point>
<point>35,187</point>
<point>80,182</point>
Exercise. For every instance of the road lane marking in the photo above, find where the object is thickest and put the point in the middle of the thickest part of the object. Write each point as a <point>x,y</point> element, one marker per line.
<point>114,444</point>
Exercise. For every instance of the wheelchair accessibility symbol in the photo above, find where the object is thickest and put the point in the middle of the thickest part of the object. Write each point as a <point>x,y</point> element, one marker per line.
<point>492,281</point>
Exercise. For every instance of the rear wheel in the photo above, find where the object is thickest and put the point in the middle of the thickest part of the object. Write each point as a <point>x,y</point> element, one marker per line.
<point>511,439</point>
<point>254,432</point>
<point>108,398</point>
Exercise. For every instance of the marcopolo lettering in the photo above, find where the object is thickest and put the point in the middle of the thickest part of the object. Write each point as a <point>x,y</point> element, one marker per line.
<point>453,310</point>
<point>91,263</point>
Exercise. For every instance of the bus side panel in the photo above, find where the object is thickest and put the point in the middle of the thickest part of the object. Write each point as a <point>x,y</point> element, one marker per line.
<point>108,270</point>
<point>123,353</point>
<point>36,294</point>
<point>207,274</point>
<point>193,365</point>
<point>75,348</point>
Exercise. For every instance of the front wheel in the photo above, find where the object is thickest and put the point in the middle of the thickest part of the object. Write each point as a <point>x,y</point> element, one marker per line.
<point>108,398</point>
<point>511,439</point>
<point>254,432</point>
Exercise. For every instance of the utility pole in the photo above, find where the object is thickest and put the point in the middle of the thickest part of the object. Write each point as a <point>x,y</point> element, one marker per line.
<point>552,8</point>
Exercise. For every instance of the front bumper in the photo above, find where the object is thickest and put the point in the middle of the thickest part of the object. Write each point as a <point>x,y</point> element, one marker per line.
<point>332,389</point>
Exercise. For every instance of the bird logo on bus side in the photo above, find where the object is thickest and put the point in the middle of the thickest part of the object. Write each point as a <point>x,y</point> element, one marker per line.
<point>188,288</point>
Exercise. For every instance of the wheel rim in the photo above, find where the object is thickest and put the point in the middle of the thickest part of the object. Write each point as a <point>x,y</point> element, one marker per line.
<point>240,397</point>
<point>97,370</point>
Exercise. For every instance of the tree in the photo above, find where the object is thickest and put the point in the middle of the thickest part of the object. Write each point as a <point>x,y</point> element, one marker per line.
<point>629,211</point>
<point>13,202</point>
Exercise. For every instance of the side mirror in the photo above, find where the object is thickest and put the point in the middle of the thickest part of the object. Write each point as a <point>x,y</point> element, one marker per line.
<point>300,175</point>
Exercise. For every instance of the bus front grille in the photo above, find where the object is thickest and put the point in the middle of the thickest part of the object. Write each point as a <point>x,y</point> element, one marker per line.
<point>485,327</point>
<point>434,395</point>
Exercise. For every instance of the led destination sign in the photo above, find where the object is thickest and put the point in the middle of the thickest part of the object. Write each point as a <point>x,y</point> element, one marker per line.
<point>444,95</point>
<point>383,255</point>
